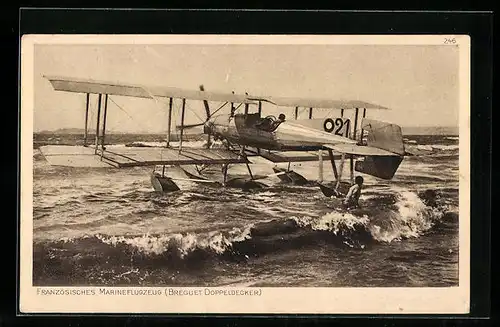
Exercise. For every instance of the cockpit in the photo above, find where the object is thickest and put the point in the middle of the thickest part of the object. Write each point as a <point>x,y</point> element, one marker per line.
<point>270,123</point>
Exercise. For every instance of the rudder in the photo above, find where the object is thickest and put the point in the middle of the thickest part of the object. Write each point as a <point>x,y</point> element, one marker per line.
<point>384,136</point>
<point>379,166</point>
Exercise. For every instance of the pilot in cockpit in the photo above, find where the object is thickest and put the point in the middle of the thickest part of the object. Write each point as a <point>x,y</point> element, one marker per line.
<point>270,123</point>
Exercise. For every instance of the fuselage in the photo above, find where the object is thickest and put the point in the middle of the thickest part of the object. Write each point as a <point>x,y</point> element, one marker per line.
<point>269,133</point>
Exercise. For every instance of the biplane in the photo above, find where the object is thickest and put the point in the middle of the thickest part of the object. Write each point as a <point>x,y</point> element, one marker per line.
<point>372,147</point>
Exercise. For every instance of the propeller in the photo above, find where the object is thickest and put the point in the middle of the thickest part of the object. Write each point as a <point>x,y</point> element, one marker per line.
<point>207,111</point>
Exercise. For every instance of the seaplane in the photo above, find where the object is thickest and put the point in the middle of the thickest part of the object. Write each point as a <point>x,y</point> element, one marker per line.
<point>372,147</point>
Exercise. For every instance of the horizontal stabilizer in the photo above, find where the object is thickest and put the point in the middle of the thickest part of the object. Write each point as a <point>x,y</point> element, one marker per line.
<point>359,150</point>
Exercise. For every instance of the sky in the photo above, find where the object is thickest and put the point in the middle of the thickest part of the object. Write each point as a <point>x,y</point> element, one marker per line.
<point>419,83</point>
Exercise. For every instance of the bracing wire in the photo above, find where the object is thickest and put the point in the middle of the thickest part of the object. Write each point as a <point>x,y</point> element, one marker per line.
<point>222,106</point>
<point>126,113</point>
<point>121,108</point>
<point>190,109</point>
<point>156,100</point>
<point>134,120</point>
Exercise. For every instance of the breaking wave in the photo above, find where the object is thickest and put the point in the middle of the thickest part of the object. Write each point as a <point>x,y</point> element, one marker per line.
<point>216,242</point>
<point>408,217</point>
<point>412,218</point>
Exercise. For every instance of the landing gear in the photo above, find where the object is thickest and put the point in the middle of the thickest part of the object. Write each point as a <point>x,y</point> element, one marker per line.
<point>224,173</point>
<point>243,183</point>
<point>163,183</point>
<point>340,188</point>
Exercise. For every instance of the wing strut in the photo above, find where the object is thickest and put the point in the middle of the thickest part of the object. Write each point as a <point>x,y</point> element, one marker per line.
<point>355,124</point>
<point>246,106</point>
<point>182,123</point>
<point>351,157</point>
<point>320,166</point>
<point>98,122</point>
<point>100,135</point>
<point>104,119</point>
<point>169,128</point>
<point>86,119</point>
<point>334,167</point>
<point>362,130</point>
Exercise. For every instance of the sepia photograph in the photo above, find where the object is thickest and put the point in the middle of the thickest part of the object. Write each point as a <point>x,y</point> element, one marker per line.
<point>246,165</point>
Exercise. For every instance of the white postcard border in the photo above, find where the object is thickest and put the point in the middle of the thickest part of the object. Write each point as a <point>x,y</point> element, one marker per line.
<point>451,300</point>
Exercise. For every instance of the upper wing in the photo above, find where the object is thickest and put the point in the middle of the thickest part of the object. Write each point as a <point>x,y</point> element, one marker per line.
<point>71,84</point>
<point>140,91</point>
<point>318,103</point>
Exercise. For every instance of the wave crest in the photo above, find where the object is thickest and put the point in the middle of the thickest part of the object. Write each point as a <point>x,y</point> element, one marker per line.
<point>333,222</point>
<point>181,244</point>
<point>411,218</point>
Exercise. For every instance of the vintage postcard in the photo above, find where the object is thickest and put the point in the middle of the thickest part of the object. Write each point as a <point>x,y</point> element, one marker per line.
<point>245,174</point>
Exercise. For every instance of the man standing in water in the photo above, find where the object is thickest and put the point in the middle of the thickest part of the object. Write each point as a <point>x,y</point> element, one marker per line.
<point>351,199</point>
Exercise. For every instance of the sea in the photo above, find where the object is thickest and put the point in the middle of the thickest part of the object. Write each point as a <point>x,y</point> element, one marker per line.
<point>109,227</point>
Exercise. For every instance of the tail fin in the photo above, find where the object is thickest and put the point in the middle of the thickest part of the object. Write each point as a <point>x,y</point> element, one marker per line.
<point>383,136</point>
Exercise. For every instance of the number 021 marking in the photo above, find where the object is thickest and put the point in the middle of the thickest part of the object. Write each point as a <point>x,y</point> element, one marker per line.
<point>338,126</point>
